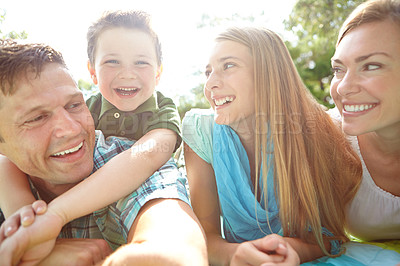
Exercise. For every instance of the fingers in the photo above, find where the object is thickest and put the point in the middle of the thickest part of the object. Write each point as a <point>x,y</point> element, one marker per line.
<point>9,226</point>
<point>39,207</point>
<point>248,253</point>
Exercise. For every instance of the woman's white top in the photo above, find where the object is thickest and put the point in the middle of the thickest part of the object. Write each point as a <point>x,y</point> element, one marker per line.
<point>373,214</point>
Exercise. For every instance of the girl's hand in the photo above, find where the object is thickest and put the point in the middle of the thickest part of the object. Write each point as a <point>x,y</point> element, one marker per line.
<point>269,250</point>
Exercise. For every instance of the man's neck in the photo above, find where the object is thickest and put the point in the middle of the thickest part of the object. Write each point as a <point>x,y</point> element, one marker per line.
<point>49,191</point>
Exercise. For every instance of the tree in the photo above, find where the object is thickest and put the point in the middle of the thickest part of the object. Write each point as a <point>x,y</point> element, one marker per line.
<point>12,34</point>
<point>316,25</point>
<point>198,101</point>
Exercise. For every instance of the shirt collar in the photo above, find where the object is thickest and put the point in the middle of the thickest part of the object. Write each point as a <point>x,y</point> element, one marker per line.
<point>150,105</point>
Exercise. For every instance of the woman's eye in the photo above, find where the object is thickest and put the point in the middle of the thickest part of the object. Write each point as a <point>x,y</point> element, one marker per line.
<point>372,66</point>
<point>337,71</point>
<point>207,73</point>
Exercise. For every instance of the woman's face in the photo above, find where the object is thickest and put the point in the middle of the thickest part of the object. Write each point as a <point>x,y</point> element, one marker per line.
<point>366,85</point>
<point>230,86</point>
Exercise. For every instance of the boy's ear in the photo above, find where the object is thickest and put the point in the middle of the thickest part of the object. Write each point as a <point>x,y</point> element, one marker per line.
<point>92,72</point>
<point>158,74</point>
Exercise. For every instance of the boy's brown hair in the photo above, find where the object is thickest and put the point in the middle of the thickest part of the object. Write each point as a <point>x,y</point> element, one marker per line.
<point>135,19</point>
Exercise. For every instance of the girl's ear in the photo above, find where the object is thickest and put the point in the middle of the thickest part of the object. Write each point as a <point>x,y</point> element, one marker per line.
<point>92,72</point>
<point>158,74</point>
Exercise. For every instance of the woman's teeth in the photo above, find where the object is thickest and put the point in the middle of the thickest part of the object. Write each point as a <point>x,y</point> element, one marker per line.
<point>357,108</point>
<point>222,101</point>
<point>69,151</point>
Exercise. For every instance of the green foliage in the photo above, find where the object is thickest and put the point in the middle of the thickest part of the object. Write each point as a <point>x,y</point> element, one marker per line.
<point>198,101</point>
<point>12,34</point>
<point>316,25</point>
<point>87,88</point>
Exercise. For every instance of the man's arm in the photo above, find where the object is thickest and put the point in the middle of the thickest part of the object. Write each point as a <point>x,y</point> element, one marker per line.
<point>165,232</point>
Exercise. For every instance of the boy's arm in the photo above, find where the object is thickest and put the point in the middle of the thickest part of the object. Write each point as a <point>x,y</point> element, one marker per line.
<point>15,191</point>
<point>118,177</point>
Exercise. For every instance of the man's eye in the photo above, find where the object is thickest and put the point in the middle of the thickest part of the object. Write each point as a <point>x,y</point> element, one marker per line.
<point>35,119</point>
<point>74,105</point>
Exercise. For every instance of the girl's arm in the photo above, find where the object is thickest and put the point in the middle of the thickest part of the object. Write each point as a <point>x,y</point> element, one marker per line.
<point>15,191</point>
<point>118,177</point>
<point>205,203</point>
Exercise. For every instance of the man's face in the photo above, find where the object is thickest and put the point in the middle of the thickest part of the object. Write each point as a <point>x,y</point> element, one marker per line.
<point>48,131</point>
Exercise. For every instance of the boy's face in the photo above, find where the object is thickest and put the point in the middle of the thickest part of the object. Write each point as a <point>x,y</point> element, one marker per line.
<point>47,129</point>
<point>126,67</point>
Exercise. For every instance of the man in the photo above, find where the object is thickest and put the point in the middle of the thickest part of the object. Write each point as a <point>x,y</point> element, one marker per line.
<point>47,131</point>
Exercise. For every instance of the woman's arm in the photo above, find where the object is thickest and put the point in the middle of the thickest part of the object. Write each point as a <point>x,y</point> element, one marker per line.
<point>15,191</point>
<point>118,177</point>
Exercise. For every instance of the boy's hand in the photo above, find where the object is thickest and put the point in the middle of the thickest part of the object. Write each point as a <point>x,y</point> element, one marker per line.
<point>31,243</point>
<point>24,216</point>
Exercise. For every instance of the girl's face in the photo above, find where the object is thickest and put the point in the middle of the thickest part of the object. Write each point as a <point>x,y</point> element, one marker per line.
<point>230,86</point>
<point>366,85</point>
<point>126,67</point>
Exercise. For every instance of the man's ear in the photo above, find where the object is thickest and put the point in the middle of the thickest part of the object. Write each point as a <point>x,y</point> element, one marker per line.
<point>158,74</point>
<point>92,72</point>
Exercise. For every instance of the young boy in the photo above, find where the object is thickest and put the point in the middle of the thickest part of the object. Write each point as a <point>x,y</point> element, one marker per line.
<point>125,62</point>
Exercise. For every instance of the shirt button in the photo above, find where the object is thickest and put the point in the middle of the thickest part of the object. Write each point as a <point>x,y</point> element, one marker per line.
<point>116,115</point>
<point>123,133</point>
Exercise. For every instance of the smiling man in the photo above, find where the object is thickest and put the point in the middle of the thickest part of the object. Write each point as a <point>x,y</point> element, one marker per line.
<point>47,131</point>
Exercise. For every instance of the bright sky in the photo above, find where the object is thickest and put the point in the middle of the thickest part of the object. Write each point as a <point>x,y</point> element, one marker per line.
<point>63,25</point>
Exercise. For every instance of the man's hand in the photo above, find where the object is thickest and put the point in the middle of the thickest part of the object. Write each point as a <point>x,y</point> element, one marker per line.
<point>77,252</point>
<point>269,250</point>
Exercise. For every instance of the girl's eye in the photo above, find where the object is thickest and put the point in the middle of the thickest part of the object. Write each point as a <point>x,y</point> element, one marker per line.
<point>228,65</point>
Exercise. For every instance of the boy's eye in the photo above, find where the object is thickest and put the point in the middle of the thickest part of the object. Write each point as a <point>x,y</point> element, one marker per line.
<point>142,62</point>
<point>112,61</point>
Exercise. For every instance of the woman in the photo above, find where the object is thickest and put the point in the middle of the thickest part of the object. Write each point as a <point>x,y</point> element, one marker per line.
<point>273,164</point>
<point>366,90</point>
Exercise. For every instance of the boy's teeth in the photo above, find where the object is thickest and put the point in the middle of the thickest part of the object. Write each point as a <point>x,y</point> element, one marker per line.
<point>127,89</point>
<point>224,100</point>
<point>69,151</point>
<point>357,107</point>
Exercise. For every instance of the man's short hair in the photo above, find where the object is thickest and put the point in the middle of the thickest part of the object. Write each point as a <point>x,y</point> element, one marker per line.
<point>17,59</point>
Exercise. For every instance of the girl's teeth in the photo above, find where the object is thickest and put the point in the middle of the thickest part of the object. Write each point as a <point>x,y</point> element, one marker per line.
<point>222,101</point>
<point>357,108</point>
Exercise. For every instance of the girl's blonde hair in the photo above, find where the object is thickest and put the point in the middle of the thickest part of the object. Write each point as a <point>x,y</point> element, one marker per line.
<point>371,11</point>
<point>316,171</point>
